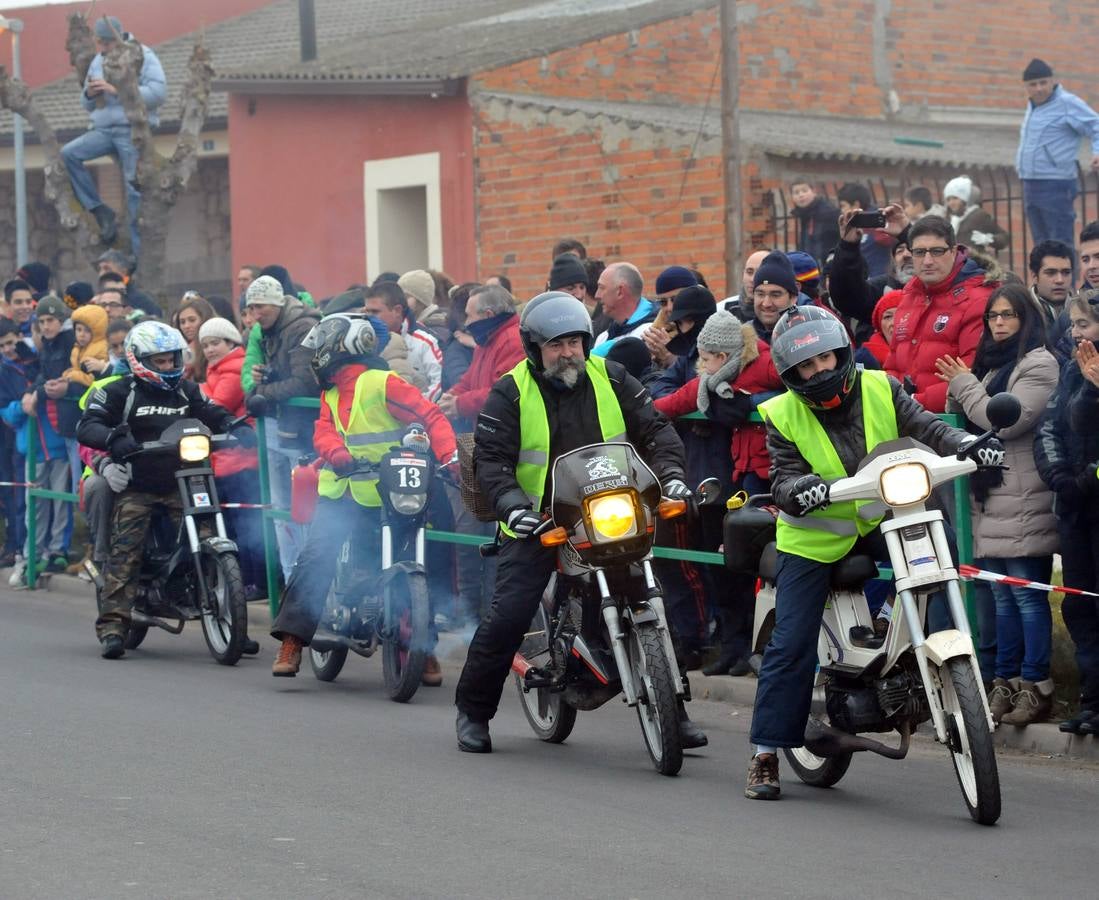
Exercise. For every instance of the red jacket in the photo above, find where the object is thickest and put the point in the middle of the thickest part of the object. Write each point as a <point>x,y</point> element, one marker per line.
<point>496,358</point>
<point>404,402</point>
<point>223,386</point>
<point>947,318</point>
<point>749,445</point>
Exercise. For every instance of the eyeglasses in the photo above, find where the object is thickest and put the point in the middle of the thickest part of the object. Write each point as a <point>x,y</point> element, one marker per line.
<point>937,252</point>
<point>1007,316</point>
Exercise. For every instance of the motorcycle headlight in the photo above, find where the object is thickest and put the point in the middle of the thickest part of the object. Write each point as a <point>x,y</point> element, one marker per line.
<point>194,447</point>
<point>905,483</point>
<point>613,516</point>
<point>407,504</point>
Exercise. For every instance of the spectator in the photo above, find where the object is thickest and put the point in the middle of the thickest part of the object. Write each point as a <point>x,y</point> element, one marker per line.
<point>569,275</point>
<point>632,353</point>
<point>114,302</point>
<point>16,377</point>
<point>388,302</point>
<point>89,353</point>
<point>619,291</point>
<point>1066,448</point>
<point>193,311</point>
<point>876,244</point>
<point>1051,264</point>
<point>458,350</point>
<point>77,294</point>
<point>774,290</point>
<point>656,337</point>
<point>37,275</point>
<point>1014,532</point>
<point>600,321</point>
<point>110,132</point>
<point>1053,124</point>
<point>501,280</point>
<point>1089,255</point>
<point>884,311</point>
<point>118,263</point>
<point>918,202</point>
<point>740,305</point>
<point>21,303</point>
<point>569,245</point>
<point>807,273</point>
<point>245,276</point>
<point>223,308</point>
<point>816,217</point>
<point>419,290</point>
<point>973,226</point>
<point>117,329</point>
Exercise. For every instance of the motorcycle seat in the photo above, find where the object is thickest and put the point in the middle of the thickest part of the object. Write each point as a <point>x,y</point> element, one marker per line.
<point>851,572</point>
<point>768,562</point>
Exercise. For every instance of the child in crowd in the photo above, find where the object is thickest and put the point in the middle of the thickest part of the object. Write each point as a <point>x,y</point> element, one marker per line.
<point>89,354</point>
<point>884,311</point>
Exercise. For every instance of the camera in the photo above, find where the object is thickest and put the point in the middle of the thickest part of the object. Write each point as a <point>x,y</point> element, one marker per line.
<point>870,218</point>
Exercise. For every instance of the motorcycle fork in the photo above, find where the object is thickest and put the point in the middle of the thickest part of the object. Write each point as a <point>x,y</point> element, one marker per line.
<point>656,601</point>
<point>613,621</point>
<point>191,512</point>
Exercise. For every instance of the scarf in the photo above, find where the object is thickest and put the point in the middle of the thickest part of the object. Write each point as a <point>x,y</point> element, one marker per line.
<point>720,383</point>
<point>482,330</point>
<point>645,312</point>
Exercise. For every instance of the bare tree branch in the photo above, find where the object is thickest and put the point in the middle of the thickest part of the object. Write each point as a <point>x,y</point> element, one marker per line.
<point>196,102</point>
<point>81,45</point>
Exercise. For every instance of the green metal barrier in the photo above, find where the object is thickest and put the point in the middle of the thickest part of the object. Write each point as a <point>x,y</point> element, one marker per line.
<point>34,494</point>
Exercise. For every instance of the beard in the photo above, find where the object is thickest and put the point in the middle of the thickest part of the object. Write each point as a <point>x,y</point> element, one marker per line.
<point>566,372</point>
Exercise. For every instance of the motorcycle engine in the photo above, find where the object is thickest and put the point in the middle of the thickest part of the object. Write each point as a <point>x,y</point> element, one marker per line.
<point>856,709</point>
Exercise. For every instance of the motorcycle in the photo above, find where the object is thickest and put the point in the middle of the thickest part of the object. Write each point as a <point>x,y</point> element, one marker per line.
<point>392,610</point>
<point>601,629</point>
<point>879,683</point>
<point>183,576</point>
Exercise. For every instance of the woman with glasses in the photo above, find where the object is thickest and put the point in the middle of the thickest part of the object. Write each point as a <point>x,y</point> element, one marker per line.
<point>1014,531</point>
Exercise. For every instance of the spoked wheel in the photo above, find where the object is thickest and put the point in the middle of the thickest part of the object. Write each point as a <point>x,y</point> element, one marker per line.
<point>550,716</point>
<point>224,611</point>
<point>135,636</point>
<point>970,741</point>
<point>657,708</point>
<point>327,664</point>
<point>406,640</point>
<point>817,771</point>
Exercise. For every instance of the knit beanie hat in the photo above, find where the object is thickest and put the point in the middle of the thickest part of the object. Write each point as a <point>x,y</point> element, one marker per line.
<point>36,274</point>
<point>632,353</point>
<point>566,271</point>
<point>1037,68</point>
<point>419,285</point>
<point>776,269</point>
<point>265,290</point>
<point>52,305</point>
<point>722,334</point>
<point>78,293</point>
<point>674,278</point>
<point>218,327</point>
<point>960,187</point>
<point>889,300</point>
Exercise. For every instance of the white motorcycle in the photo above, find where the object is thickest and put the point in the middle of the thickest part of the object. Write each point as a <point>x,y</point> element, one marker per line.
<point>870,682</point>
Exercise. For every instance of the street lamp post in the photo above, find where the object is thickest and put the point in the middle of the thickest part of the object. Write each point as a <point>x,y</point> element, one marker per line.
<point>15,26</point>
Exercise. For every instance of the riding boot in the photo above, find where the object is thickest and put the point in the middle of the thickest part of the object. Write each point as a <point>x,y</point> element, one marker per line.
<point>690,735</point>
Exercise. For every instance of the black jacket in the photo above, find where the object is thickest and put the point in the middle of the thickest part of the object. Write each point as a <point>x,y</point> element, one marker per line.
<point>151,411</point>
<point>573,422</point>
<point>818,228</point>
<point>1067,442</point>
<point>851,292</point>
<point>54,359</point>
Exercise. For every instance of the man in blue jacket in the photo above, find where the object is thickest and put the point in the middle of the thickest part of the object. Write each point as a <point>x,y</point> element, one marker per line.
<point>1054,122</point>
<point>110,131</point>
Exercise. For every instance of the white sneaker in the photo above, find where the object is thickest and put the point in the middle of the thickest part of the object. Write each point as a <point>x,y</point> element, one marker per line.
<point>18,577</point>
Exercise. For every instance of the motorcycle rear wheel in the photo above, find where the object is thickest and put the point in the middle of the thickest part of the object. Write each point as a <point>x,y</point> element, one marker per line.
<point>975,757</point>
<point>135,636</point>
<point>551,717</point>
<point>657,707</point>
<point>327,664</point>
<point>407,634</point>
<point>226,625</point>
<point>817,771</point>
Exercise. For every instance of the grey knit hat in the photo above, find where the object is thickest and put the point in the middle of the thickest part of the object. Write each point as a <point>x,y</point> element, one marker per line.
<point>52,305</point>
<point>265,290</point>
<point>722,333</point>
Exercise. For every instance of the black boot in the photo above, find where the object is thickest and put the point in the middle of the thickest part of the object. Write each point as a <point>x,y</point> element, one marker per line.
<point>721,665</point>
<point>690,735</point>
<point>105,218</point>
<point>112,647</point>
<point>473,736</point>
<point>251,647</point>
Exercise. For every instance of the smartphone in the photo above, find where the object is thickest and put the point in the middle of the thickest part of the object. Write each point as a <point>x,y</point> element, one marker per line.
<point>870,218</point>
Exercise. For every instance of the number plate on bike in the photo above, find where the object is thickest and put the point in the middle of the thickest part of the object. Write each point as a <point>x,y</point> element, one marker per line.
<point>401,474</point>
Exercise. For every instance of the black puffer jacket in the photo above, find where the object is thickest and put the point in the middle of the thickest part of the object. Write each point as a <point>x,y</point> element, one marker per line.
<point>573,422</point>
<point>845,429</point>
<point>1067,442</point>
<point>150,413</point>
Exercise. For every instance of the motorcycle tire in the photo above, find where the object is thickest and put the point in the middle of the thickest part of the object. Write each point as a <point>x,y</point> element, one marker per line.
<point>135,636</point>
<point>327,664</point>
<point>551,717</point>
<point>657,707</point>
<point>407,634</point>
<point>225,627</point>
<point>817,771</point>
<point>974,756</point>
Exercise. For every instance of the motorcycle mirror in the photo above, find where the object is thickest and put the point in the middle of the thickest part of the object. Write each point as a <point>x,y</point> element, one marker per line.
<point>256,405</point>
<point>708,491</point>
<point>1003,410</point>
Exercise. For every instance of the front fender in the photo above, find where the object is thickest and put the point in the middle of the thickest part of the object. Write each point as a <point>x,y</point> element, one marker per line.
<point>216,545</point>
<point>944,645</point>
<point>403,567</point>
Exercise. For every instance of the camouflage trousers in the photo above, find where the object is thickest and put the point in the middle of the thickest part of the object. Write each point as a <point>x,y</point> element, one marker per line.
<point>129,529</point>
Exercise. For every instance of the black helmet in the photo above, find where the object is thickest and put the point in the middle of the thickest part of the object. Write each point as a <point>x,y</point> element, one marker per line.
<point>549,316</point>
<point>801,333</point>
<point>337,340</point>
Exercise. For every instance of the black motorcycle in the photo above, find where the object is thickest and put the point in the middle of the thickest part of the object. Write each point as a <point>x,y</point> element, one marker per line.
<point>186,571</point>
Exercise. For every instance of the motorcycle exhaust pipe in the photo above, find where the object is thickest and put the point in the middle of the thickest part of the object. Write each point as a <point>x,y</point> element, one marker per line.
<point>139,618</point>
<point>824,740</point>
<point>338,641</point>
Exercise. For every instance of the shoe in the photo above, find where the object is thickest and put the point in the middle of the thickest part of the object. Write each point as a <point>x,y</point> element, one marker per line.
<point>288,660</point>
<point>112,646</point>
<point>251,647</point>
<point>999,698</point>
<point>763,778</point>
<point>691,736</point>
<point>692,660</point>
<point>8,560</point>
<point>432,675</point>
<point>473,736</point>
<point>719,666</point>
<point>740,668</point>
<point>57,563</point>
<point>1078,721</point>
<point>1032,703</point>
<point>107,221</point>
<point>1091,726</point>
<point>18,576</point>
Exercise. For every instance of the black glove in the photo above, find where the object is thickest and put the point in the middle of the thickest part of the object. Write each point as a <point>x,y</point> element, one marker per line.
<point>1086,482</point>
<point>525,522</point>
<point>809,492</point>
<point>908,386</point>
<point>675,489</point>
<point>245,436</point>
<point>121,445</point>
<point>732,413</point>
<point>990,455</point>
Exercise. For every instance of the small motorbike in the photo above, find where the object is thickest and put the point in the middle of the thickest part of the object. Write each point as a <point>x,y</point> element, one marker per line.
<point>390,609</point>
<point>601,629</point>
<point>867,682</point>
<point>184,576</point>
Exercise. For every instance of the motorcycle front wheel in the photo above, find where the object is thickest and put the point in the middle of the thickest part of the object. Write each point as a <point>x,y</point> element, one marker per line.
<point>135,636</point>
<point>406,640</point>
<point>327,664</point>
<point>551,717</point>
<point>971,748</point>
<point>657,706</point>
<point>224,610</point>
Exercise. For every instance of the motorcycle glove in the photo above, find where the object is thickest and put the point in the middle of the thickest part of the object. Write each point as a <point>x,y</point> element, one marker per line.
<point>676,490</point>
<point>989,455</point>
<point>117,475</point>
<point>121,445</point>
<point>525,522</point>
<point>343,464</point>
<point>245,436</point>
<point>810,492</point>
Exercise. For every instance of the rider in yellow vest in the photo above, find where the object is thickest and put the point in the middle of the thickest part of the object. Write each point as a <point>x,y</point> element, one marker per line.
<point>556,399</point>
<point>832,416</point>
<point>364,411</point>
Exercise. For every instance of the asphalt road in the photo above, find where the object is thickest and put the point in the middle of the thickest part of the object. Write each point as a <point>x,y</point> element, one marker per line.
<point>166,775</point>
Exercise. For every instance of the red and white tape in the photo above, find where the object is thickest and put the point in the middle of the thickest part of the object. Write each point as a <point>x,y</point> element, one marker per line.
<point>972,572</point>
<point>246,506</point>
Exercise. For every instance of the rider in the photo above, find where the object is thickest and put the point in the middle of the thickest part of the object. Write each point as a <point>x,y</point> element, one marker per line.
<point>364,411</point>
<point>833,415</point>
<point>120,416</point>
<point>583,400</point>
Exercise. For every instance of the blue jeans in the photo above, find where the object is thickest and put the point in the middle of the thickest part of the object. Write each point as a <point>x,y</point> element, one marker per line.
<point>1049,212</point>
<point>280,461</point>
<point>91,145</point>
<point>984,605</point>
<point>1024,622</point>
